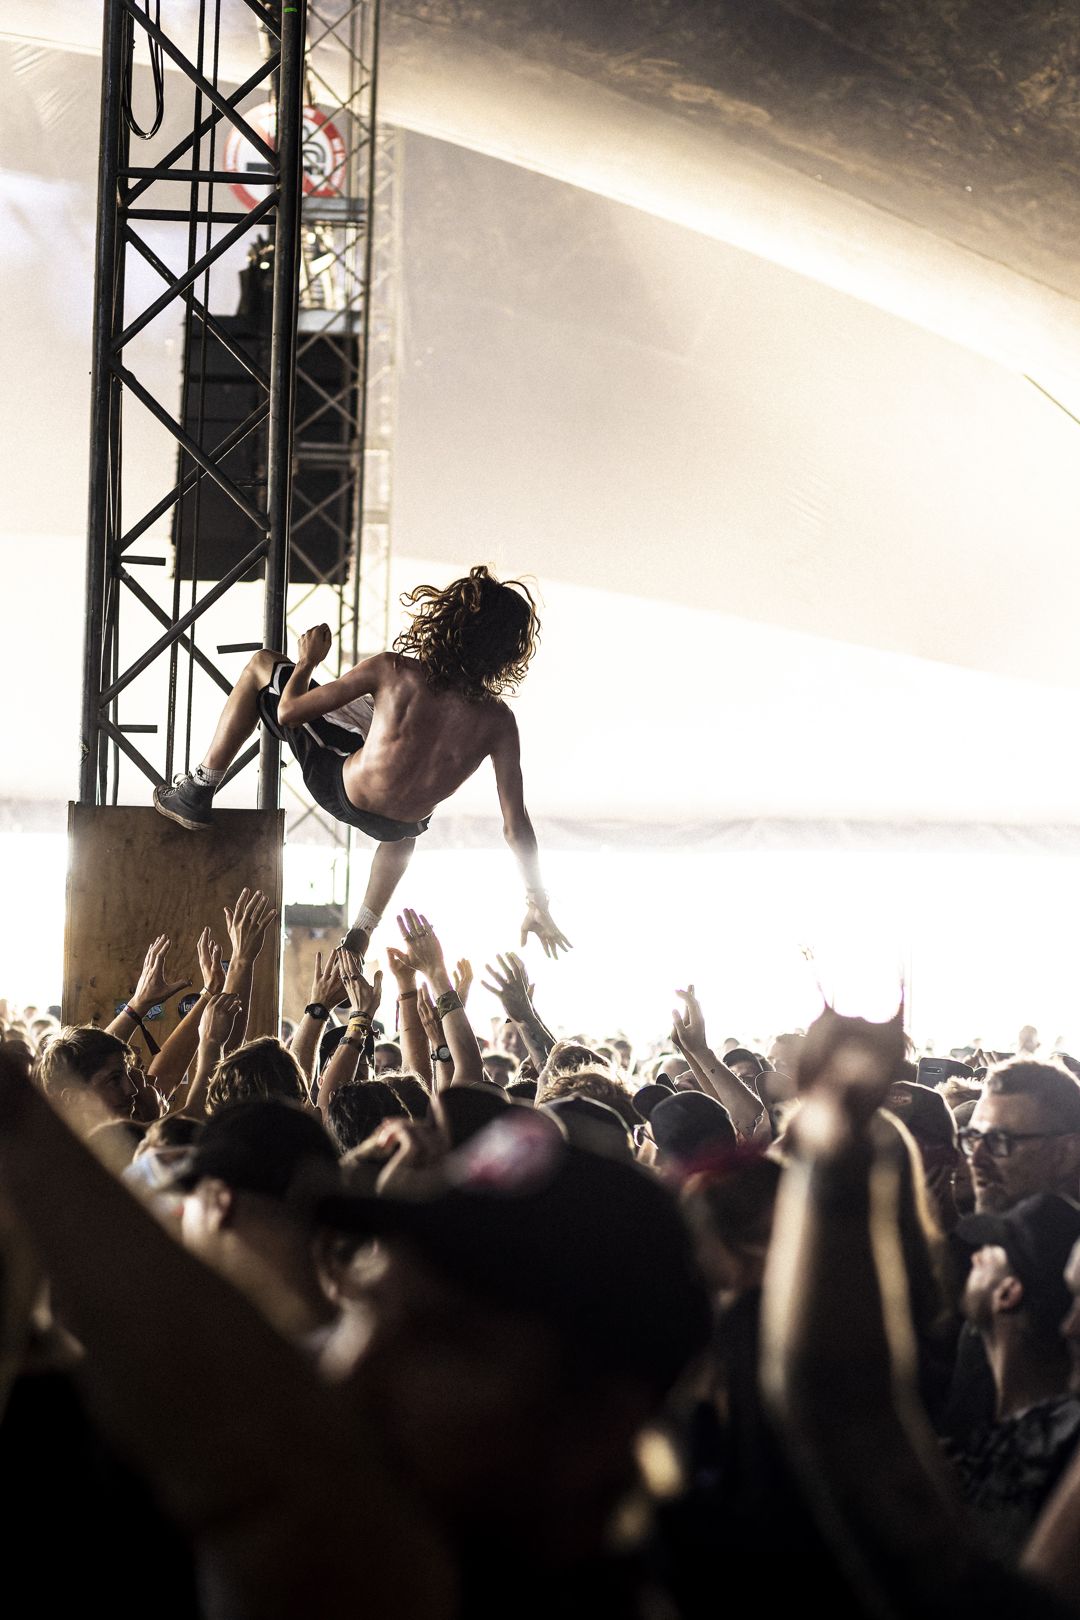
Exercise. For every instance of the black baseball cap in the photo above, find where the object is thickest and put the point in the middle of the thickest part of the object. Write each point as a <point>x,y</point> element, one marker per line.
<point>1038,1235</point>
<point>261,1145</point>
<point>690,1124</point>
<point>743,1054</point>
<point>595,1245</point>
<point>647,1097</point>
<point>924,1111</point>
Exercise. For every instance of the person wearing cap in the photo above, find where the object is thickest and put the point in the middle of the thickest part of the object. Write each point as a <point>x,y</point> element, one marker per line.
<point>249,1184</point>
<point>1023,1138</point>
<point>1017,1299</point>
<point>690,1130</point>
<point>926,1115</point>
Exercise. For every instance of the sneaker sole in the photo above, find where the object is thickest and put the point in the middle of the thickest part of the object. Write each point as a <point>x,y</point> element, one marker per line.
<point>175,815</point>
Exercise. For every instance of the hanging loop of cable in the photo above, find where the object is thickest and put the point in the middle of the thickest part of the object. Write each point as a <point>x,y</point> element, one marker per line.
<point>157,70</point>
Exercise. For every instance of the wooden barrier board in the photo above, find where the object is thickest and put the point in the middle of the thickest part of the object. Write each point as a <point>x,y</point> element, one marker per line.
<point>133,874</point>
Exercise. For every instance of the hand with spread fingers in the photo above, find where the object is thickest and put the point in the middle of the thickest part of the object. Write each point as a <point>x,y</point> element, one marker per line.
<point>210,966</point>
<point>327,983</point>
<point>510,983</point>
<point>463,978</point>
<point>218,1019</point>
<point>539,921</point>
<point>402,967</point>
<point>429,1018</point>
<point>425,951</point>
<point>364,994</point>
<point>154,984</point>
<point>247,922</point>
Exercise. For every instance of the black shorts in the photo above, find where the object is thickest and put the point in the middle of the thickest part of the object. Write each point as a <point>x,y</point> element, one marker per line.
<point>322,747</point>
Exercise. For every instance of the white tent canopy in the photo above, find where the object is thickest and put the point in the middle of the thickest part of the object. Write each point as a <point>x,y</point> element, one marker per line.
<point>804,531</point>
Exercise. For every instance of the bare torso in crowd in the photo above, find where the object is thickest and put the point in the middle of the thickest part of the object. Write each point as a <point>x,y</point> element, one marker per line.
<point>421,746</point>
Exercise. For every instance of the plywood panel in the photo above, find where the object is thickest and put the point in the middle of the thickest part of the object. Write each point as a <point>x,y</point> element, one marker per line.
<point>133,875</point>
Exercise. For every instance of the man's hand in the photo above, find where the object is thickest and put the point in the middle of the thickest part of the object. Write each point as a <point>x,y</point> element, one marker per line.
<point>327,984</point>
<point>538,921</point>
<point>364,994</point>
<point>315,644</point>
<point>402,967</point>
<point>424,949</point>
<point>216,1023</point>
<point>247,922</point>
<point>846,1067</point>
<point>511,985</point>
<point>688,1028</point>
<point>154,984</point>
<point>463,978</point>
<point>429,1018</point>
<point>213,974</point>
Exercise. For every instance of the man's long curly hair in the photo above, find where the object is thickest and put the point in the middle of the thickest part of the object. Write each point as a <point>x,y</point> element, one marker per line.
<point>475,637</point>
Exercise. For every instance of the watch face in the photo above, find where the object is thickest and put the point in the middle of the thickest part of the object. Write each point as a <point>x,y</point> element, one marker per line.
<point>442,1053</point>
<point>316,1010</point>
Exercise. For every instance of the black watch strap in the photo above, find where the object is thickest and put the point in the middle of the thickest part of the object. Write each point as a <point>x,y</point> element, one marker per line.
<point>440,1054</point>
<point>315,1009</point>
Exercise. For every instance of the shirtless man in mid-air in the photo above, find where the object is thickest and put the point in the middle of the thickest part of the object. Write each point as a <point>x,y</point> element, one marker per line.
<point>384,744</point>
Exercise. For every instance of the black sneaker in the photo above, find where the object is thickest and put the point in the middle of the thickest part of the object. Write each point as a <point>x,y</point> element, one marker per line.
<point>187,802</point>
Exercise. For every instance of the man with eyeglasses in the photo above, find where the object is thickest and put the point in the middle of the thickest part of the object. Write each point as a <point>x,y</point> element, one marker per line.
<point>1023,1139</point>
<point>1024,1135</point>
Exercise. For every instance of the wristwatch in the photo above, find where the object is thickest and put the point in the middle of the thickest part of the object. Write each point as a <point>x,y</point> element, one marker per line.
<point>440,1054</point>
<point>316,1010</point>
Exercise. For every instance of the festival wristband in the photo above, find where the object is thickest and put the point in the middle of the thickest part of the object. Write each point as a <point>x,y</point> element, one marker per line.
<point>448,1002</point>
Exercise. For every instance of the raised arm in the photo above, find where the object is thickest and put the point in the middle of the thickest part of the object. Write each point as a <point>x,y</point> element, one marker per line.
<point>519,835</point>
<point>299,701</point>
<point>510,982</point>
<point>154,987</point>
<point>415,1052</point>
<point>427,953</point>
<point>169,1067</point>
<point>247,923</point>
<point>327,989</point>
<point>839,1357</point>
<point>221,1014</point>
<point>714,1077</point>
<point>349,1061</point>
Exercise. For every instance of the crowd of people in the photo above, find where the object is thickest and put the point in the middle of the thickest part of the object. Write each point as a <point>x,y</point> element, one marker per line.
<point>395,1317</point>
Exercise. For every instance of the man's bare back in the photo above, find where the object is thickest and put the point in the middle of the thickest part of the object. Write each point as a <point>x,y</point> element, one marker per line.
<point>422,744</point>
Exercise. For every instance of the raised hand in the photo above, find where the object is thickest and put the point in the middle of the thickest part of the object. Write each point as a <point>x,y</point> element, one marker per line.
<point>848,1064</point>
<point>539,921</point>
<point>247,922</point>
<point>688,1028</point>
<point>315,644</point>
<point>213,974</point>
<point>463,978</point>
<point>429,1018</point>
<point>216,1023</point>
<point>511,985</point>
<point>402,967</point>
<point>154,984</point>
<point>364,994</point>
<point>425,952</point>
<point>327,984</point>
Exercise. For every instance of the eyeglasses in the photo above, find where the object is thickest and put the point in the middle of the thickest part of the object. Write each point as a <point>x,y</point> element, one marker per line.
<point>1000,1144</point>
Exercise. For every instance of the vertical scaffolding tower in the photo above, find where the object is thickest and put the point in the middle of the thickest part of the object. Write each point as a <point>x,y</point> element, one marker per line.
<point>277,183</point>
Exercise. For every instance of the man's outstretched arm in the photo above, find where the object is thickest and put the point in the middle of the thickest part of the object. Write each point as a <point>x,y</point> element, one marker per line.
<point>300,702</point>
<point>519,834</point>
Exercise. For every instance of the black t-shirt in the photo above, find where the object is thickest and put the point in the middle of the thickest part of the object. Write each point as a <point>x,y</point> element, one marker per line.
<point>1007,1470</point>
